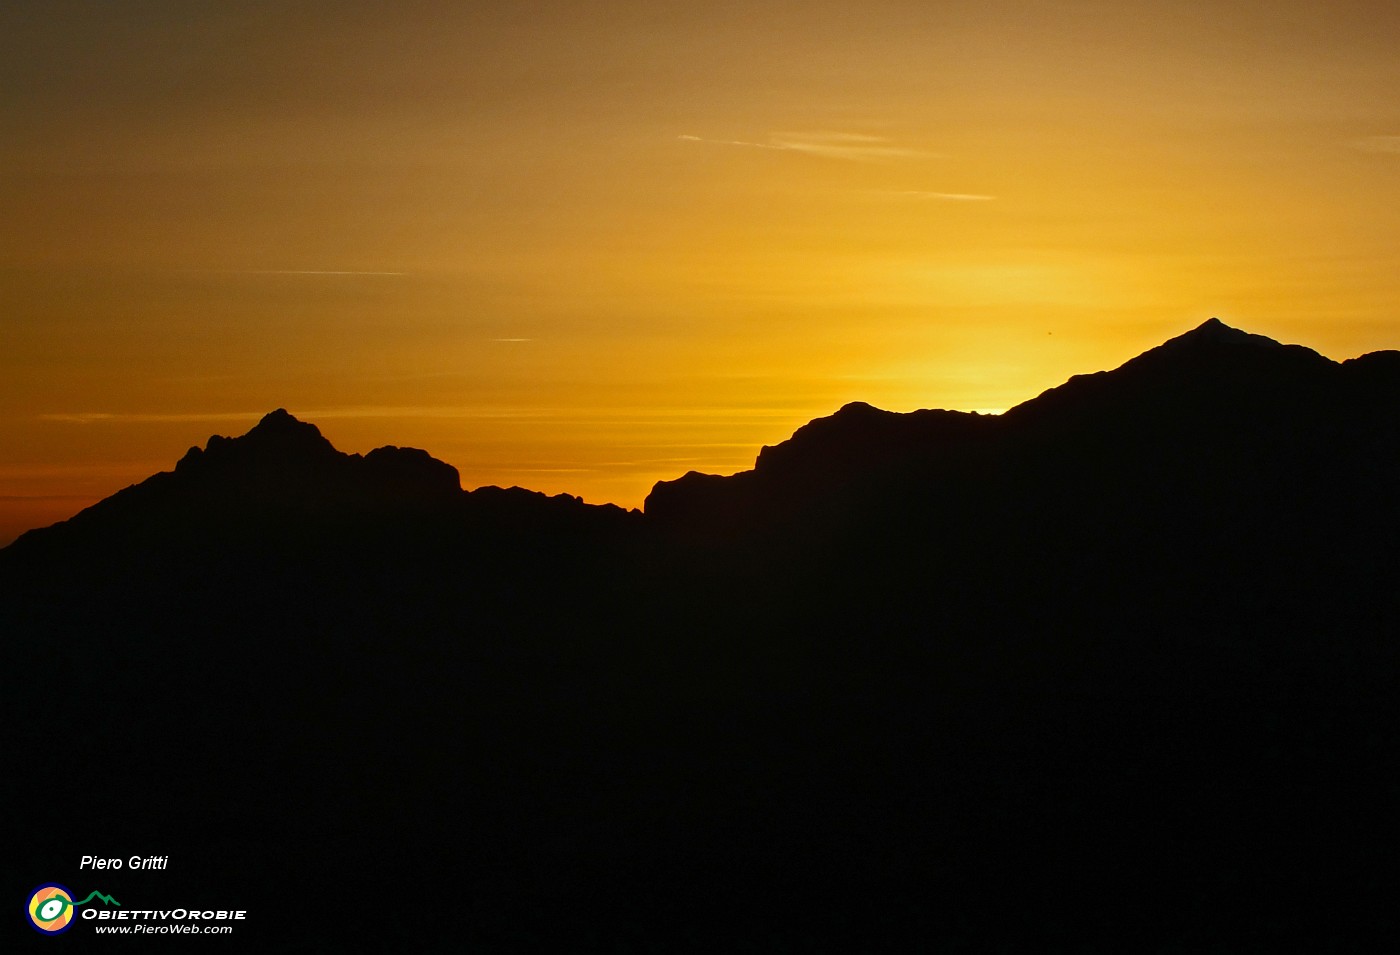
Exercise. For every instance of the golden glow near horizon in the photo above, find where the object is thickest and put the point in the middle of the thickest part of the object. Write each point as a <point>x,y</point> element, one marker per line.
<point>585,247</point>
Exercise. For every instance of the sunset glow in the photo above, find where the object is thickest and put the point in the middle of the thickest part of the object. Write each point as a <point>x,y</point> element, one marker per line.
<point>586,247</point>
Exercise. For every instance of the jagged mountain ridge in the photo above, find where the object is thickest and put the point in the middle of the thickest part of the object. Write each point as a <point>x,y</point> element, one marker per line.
<point>284,474</point>
<point>1206,399</point>
<point>1215,388</point>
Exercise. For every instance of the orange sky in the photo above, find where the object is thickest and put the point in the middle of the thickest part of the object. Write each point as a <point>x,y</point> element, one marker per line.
<point>586,246</point>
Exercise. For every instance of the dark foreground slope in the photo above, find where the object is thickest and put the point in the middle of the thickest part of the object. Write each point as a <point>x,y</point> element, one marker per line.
<point>1114,671</point>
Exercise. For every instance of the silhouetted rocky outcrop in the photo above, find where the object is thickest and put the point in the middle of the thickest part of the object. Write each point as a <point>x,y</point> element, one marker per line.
<point>1198,406</point>
<point>284,485</point>
<point>1112,671</point>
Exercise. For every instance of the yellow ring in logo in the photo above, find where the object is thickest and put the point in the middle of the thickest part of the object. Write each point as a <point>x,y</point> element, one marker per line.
<point>51,909</point>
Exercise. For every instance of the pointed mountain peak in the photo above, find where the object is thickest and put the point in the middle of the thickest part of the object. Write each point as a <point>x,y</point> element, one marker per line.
<point>283,422</point>
<point>1211,365</point>
<point>1215,332</point>
<point>282,415</point>
<point>277,437</point>
<point>282,429</point>
<point>1217,345</point>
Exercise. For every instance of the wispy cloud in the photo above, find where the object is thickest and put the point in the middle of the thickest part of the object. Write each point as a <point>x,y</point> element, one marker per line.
<point>855,147</point>
<point>102,417</point>
<point>313,415</point>
<point>916,194</point>
<point>556,470</point>
<point>292,272</point>
<point>1378,144</point>
<point>318,272</point>
<point>726,142</point>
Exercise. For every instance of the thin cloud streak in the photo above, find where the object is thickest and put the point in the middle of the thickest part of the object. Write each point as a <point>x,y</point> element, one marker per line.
<point>289,272</point>
<point>103,417</point>
<point>853,147</point>
<point>726,142</point>
<point>314,415</point>
<point>944,196</point>
<point>315,272</point>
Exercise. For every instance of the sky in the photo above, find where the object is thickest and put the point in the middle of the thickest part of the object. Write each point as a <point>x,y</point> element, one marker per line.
<point>585,246</point>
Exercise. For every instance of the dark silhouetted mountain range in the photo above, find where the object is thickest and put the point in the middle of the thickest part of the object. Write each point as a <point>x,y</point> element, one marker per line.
<point>1113,671</point>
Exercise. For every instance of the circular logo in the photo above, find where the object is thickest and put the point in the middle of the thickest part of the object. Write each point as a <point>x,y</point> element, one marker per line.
<point>51,909</point>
